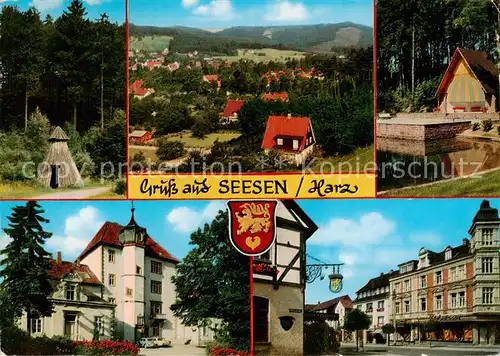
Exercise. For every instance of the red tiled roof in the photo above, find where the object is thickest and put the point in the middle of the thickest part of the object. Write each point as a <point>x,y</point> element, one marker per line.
<point>481,66</point>
<point>153,64</point>
<point>108,235</point>
<point>232,106</point>
<point>284,126</point>
<point>345,300</point>
<point>275,97</point>
<point>137,89</point>
<point>60,269</point>
<point>213,78</point>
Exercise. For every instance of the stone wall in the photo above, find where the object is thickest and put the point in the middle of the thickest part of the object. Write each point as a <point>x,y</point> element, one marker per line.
<point>421,132</point>
<point>443,131</point>
<point>281,301</point>
<point>451,116</point>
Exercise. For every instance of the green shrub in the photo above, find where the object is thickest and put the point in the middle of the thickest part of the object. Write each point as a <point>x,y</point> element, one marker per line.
<point>17,342</point>
<point>319,338</point>
<point>120,187</point>
<point>169,150</point>
<point>475,126</point>
<point>487,125</point>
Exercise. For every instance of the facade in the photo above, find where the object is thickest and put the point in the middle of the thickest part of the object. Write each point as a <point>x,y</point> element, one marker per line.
<point>373,299</point>
<point>469,85</point>
<point>279,298</point>
<point>293,137</point>
<point>457,289</point>
<point>138,91</point>
<point>232,110</point>
<point>337,310</point>
<point>140,136</point>
<point>79,306</point>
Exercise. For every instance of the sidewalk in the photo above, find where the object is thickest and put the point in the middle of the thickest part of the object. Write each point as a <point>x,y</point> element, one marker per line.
<point>432,345</point>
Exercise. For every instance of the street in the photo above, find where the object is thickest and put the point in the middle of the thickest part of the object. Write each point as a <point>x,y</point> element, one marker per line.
<point>420,351</point>
<point>175,350</point>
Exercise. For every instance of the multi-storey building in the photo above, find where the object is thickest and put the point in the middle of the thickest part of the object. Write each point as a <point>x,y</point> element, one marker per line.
<point>452,295</point>
<point>279,298</point>
<point>336,310</point>
<point>373,299</point>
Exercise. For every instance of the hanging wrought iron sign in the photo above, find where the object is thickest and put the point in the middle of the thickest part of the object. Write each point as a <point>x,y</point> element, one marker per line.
<point>336,282</point>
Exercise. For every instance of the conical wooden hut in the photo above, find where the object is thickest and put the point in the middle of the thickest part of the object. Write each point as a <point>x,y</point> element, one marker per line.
<point>59,169</point>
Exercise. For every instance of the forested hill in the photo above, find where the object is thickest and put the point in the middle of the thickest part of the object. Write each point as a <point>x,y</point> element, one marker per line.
<point>313,38</point>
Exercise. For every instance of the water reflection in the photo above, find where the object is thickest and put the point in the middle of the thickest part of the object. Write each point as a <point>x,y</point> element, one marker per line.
<point>405,163</point>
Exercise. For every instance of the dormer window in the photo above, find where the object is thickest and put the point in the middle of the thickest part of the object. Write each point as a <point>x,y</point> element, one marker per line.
<point>447,254</point>
<point>70,292</point>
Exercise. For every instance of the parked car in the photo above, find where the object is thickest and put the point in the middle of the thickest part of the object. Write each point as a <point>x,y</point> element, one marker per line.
<point>147,342</point>
<point>161,342</point>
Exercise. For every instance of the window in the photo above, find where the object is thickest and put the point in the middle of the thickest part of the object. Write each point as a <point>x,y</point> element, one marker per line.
<point>407,285</point>
<point>447,255</point>
<point>70,292</point>
<point>99,324</point>
<point>155,308</point>
<point>111,256</point>
<point>156,287</point>
<point>380,305</point>
<point>280,142</point>
<point>112,301</point>
<point>403,269</point>
<point>265,256</point>
<point>423,282</point>
<point>487,265</point>
<point>380,320</point>
<point>112,279</point>
<point>156,267</point>
<point>156,330</point>
<point>129,292</point>
<point>138,270</point>
<point>461,299</point>
<point>261,319</point>
<point>295,144</point>
<point>453,300</point>
<point>487,237</point>
<point>369,307</point>
<point>407,306</point>
<point>423,304</point>
<point>487,295</point>
<point>453,274</point>
<point>36,325</point>
<point>439,302</point>
<point>397,287</point>
<point>439,277</point>
<point>397,308</point>
<point>461,272</point>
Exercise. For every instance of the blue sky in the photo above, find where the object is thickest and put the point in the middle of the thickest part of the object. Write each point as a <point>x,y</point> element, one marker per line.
<point>369,236</point>
<point>114,8</point>
<point>215,14</point>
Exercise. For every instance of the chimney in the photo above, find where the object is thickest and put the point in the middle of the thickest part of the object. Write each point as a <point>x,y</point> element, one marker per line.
<point>465,242</point>
<point>381,274</point>
<point>78,261</point>
<point>289,116</point>
<point>59,257</point>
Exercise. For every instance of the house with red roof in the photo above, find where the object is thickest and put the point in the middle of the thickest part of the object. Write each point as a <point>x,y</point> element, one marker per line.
<point>292,136</point>
<point>232,110</point>
<point>273,97</point>
<point>470,84</point>
<point>140,136</point>
<point>79,307</point>
<point>213,78</point>
<point>173,66</point>
<point>136,89</point>
<point>335,311</point>
<point>151,65</point>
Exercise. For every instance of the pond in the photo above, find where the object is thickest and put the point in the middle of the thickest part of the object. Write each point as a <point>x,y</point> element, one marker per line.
<point>403,163</point>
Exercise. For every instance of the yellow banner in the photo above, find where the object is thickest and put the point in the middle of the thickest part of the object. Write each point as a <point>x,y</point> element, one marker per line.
<point>252,186</point>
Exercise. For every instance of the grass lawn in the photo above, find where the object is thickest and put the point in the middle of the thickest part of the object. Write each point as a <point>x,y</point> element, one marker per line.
<point>150,43</point>
<point>29,189</point>
<point>477,185</point>
<point>108,195</point>
<point>149,152</point>
<point>270,54</point>
<point>361,160</point>
<point>207,142</point>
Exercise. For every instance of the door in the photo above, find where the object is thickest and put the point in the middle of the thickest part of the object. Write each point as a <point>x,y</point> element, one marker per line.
<point>70,326</point>
<point>54,176</point>
<point>261,319</point>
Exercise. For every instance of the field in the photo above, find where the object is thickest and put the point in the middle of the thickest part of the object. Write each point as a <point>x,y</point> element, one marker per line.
<point>264,55</point>
<point>361,160</point>
<point>150,43</point>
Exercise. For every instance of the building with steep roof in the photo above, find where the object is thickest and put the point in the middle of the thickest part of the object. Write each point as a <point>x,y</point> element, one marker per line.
<point>336,309</point>
<point>456,289</point>
<point>470,84</point>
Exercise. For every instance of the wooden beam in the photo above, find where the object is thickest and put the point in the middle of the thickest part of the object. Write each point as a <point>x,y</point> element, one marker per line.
<point>288,268</point>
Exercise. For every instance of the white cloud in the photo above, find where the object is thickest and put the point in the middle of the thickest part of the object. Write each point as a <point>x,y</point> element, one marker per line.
<point>371,228</point>
<point>185,220</point>
<point>189,3</point>
<point>287,10</point>
<point>93,2</point>
<point>78,231</point>
<point>216,9</point>
<point>45,5</point>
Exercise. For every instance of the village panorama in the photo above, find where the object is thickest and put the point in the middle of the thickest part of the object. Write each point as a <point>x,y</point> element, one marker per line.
<point>251,99</point>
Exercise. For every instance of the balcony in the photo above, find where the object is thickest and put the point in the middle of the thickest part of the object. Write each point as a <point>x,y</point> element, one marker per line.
<point>158,316</point>
<point>380,309</point>
<point>369,310</point>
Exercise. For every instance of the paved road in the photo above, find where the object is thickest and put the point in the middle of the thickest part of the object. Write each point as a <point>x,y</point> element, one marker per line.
<point>418,351</point>
<point>75,194</point>
<point>176,350</point>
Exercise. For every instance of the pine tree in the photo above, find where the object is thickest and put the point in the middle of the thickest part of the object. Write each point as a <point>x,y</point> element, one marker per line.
<point>25,268</point>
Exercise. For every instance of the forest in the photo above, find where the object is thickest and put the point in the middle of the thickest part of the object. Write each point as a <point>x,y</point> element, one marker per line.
<point>340,106</point>
<point>416,40</point>
<point>67,72</point>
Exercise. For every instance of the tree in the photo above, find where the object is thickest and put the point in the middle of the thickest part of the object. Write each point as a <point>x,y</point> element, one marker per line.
<point>356,320</point>
<point>212,282</point>
<point>253,116</point>
<point>26,264</point>
<point>388,329</point>
<point>169,150</point>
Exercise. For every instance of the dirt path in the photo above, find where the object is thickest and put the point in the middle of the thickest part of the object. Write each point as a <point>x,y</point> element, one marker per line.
<point>75,194</point>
